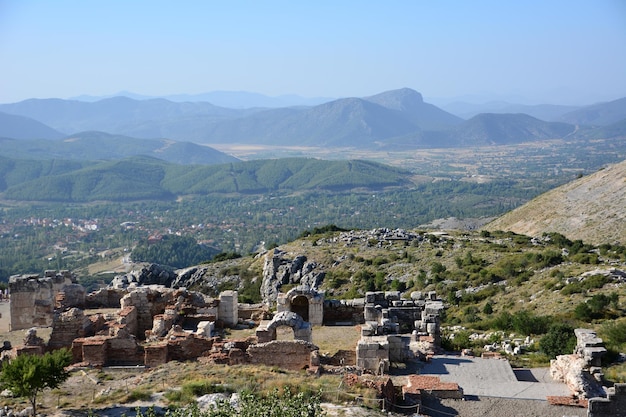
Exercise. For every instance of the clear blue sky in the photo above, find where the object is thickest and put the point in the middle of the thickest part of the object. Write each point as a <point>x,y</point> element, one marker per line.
<point>570,51</point>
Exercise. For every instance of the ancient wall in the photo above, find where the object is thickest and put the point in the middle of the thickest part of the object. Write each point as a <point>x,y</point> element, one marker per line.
<point>581,371</point>
<point>344,311</point>
<point>183,346</point>
<point>373,354</point>
<point>67,326</point>
<point>71,295</point>
<point>117,349</point>
<point>612,406</point>
<point>33,298</point>
<point>287,354</point>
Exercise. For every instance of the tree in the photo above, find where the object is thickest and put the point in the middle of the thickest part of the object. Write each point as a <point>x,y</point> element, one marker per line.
<point>28,375</point>
<point>559,340</point>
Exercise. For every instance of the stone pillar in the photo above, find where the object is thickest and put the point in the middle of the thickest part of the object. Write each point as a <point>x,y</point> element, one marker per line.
<point>228,310</point>
<point>316,310</point>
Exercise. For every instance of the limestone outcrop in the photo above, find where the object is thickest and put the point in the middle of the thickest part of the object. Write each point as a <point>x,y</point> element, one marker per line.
<point>279,270</point>
<point>148,275</point>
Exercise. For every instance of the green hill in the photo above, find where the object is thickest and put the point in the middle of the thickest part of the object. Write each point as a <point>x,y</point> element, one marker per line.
<point>148,178</point>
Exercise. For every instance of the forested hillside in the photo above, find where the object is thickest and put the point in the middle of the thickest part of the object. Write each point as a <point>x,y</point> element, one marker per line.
<point>147,178</point>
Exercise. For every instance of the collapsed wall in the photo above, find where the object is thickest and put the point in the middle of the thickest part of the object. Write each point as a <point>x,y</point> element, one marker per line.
<point>581,370</point>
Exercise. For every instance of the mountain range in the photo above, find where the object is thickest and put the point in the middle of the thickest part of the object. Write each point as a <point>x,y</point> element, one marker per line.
<point>392,120</point>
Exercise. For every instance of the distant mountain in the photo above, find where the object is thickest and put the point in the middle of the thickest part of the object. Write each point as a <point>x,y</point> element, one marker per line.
<point>350,122</point>
<point>148,178</point>
<point>398,119</point>
<point>614,130</point>
<point>547,112</point>
<point>21,127</point>
<point>230,99</point>
<point>590,208</point>
<point>119,115</point>
<point>97,146</point>
<point>502,129</point>
<point>601,114</point>
<point>411,104</point>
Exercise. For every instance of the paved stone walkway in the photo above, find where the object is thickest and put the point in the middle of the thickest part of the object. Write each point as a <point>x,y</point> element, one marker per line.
<point>494,378</point>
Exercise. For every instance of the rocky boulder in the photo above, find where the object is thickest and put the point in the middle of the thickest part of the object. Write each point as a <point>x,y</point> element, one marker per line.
<point>148,275</point>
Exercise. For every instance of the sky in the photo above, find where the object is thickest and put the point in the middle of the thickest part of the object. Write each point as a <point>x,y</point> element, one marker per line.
<point>533,51</point>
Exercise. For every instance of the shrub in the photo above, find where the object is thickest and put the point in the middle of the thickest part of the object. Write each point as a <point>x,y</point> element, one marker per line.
<point>559,340</point>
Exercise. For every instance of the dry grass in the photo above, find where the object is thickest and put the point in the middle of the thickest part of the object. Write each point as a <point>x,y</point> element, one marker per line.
<point>177,383</point>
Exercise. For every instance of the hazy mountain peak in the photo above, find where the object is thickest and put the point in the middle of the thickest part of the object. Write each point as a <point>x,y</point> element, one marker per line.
<point>401,99</point>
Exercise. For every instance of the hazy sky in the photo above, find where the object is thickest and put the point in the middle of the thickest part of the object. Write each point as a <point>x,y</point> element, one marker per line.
<point>570,51</point>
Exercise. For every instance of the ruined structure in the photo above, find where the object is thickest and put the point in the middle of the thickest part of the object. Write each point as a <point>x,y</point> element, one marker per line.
<point>581,371</point>
<point>398,330</point>
<point>614,405</point>
<point>301,329</point>
<point>155,324</point>
<point>305,302</point>
<point>33,298</point>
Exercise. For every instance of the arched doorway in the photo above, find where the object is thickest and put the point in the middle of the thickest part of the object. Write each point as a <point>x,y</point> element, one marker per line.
<point>300,306</point>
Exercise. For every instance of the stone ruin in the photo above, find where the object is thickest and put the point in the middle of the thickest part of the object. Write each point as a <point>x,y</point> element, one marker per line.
<point>266,331</point>
<point>306,302</point>
<point>398,330</point>
<point>33,298</point>
<point>581,370</point>
<point>153,324</point>
<point>614,405</point>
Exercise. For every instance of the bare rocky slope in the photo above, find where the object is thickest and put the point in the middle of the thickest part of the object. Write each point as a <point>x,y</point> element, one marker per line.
<point>591,208</point>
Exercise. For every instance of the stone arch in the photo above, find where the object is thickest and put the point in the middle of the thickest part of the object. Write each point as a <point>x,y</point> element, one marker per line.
<point>301,329</point>
<point>304,301</point>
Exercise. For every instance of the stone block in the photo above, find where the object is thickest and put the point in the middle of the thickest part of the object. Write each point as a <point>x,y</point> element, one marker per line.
<point>205,328</point>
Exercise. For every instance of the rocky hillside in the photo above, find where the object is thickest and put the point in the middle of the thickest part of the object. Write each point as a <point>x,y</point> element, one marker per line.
<point>590,208</point>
